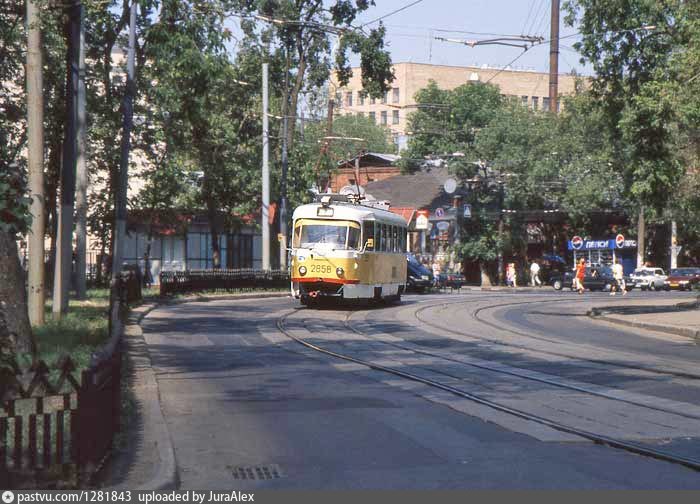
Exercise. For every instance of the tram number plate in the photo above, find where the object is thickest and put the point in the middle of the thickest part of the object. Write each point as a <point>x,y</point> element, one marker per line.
<point>320,268</point>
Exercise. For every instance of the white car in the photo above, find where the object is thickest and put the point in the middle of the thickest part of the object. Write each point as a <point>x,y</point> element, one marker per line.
<point>649,278</point>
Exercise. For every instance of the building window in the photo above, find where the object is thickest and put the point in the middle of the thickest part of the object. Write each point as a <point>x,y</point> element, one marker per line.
<point>360,98</point>
<point>545,104</point>
<point>535,102</point>
<point>361,114</point>
<point>524,100</point>
<point>348,99</point>
<point>395,97</point>
<point>384,97</point>
<point>373,117</point>
<point>372,100</point>
<point>394,117</point>
<point>384,118</point>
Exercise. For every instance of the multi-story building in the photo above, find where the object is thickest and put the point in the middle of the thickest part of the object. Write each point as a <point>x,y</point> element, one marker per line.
<point>391,110</point>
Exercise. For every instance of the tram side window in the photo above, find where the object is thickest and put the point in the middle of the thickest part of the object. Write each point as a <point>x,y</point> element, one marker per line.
<point>368,232</point>
<point>385,238</point>
<point>394,236</point>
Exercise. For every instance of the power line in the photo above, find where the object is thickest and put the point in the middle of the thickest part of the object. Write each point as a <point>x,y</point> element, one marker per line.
<point>532,6</point>
<point>392,12</point>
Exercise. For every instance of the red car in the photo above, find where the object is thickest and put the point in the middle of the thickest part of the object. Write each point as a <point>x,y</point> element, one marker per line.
<point>682,278</point>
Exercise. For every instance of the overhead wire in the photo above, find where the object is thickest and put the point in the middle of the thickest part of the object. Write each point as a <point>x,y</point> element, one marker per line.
<point>532,6</point>
<point>392,13</point>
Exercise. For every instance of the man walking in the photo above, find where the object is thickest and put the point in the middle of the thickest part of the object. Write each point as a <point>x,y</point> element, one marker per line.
<point>535,274</point>
<point>619,276</point>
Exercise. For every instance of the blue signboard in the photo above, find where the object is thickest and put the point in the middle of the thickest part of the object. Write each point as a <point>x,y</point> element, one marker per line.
<point>601,244</point>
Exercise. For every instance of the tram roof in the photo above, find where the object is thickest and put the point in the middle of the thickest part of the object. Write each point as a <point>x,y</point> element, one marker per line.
<point>349,211</point>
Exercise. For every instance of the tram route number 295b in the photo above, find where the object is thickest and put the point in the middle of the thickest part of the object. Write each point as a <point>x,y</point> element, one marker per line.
<point>320,268</point>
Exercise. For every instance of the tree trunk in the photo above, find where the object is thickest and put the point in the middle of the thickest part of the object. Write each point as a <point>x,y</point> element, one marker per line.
<point>485,279</point>
<point>14,317</point>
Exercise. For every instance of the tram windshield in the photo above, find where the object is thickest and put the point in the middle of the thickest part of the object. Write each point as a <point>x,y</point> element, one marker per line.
<point>333,234</point>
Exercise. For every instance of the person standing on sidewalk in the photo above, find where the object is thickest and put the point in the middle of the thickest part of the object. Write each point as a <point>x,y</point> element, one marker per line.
<point>535,274</point>
<point>580,274</point>
<point>619,276</point>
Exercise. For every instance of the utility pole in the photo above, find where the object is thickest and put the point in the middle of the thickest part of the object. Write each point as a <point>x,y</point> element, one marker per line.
<point>283,197</point>
<point>265,173</point>
<point>640,238</point>
<point>501,271</point>
<point>554,58</point>
<point>123,181</point>
<point>35,161</point>
<point>674,244</point>
<point>82,177</point>
<point>326,144</point>
<point>64,248</point>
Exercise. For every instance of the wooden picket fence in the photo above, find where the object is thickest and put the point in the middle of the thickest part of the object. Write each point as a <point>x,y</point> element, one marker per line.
<point>55,427</point>
<point>221,280</point>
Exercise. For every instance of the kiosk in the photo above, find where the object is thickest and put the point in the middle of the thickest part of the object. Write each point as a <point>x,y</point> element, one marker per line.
<point>605,252</point>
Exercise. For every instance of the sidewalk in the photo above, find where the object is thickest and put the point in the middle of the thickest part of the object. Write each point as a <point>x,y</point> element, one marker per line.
<point>146,458</point>
<point>682,319</point>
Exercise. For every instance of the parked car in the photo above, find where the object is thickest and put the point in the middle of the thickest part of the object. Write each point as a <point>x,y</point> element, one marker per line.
<point>596,278</point>
<point>550,266</point>
<point>451,280</point>
<point>682,278</point>
<point>418,277</point>
<point>649,278</point>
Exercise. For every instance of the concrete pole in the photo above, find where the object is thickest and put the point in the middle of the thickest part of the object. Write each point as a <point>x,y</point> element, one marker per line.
<point>554,57</point>
<point>640,238</point>
<point>265,174</point>
<point>35,161</point>
<point>82,178</point>
<point>123,182</point>
<point>283,198</point>
<point>64,246</point>
<point>674,244</point>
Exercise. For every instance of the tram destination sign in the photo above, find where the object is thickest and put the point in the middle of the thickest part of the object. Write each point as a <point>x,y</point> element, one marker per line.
<point>613,243</point>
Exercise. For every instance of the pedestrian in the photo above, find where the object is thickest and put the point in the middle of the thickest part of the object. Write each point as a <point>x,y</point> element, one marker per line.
<point>535,274</point>
<point>619,276</point>
<point>436,273</point>
<point>147,276</point>
<point>580,274</point>
<point>511,276</point>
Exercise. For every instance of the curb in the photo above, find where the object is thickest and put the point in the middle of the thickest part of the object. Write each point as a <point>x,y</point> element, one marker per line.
<point>597,314</point>
<point>147,393</point>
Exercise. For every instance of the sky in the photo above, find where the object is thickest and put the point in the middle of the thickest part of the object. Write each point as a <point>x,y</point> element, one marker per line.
<point>410,32</point>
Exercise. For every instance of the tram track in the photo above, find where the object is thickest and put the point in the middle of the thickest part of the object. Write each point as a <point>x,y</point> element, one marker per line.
<point>475,315</point>
<point>613,442</point>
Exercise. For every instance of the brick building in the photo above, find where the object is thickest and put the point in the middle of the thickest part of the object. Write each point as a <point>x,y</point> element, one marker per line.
<point>531,88</point>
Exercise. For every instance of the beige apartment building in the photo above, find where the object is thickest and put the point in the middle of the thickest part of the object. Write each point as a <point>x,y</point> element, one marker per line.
<point>392,110</point>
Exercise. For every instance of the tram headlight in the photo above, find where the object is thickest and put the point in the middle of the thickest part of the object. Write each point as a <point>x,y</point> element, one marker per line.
<point>302,270</point>
<point>339,271</point>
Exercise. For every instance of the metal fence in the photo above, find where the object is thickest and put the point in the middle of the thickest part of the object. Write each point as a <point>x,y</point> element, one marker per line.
<point>54,427</point>
<point>222,280</point>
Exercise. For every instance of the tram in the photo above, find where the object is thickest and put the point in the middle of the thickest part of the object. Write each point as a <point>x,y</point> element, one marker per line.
<point>344,248</point>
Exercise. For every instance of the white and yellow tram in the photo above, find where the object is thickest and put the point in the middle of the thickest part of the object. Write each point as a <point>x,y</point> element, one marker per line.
<point>347,250</point>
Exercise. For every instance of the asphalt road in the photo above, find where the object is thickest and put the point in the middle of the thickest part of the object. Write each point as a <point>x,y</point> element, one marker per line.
<point>250,408</point>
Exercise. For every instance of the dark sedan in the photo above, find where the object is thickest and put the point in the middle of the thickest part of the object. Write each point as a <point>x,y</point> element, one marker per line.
<point>418,277</point>
<point>596,278</point>
<point>682,278</point>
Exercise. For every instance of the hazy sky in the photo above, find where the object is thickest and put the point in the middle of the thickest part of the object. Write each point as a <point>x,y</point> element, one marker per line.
<point>410,32</point>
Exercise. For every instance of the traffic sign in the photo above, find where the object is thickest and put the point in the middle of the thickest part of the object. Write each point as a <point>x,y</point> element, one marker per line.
<point>467,211</point>
<point>439,212</point>
<point>676,249</point>
<point>576,242</point>
<point>422,219</point>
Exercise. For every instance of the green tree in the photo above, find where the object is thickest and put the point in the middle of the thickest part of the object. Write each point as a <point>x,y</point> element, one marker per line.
<point>630,45</point>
